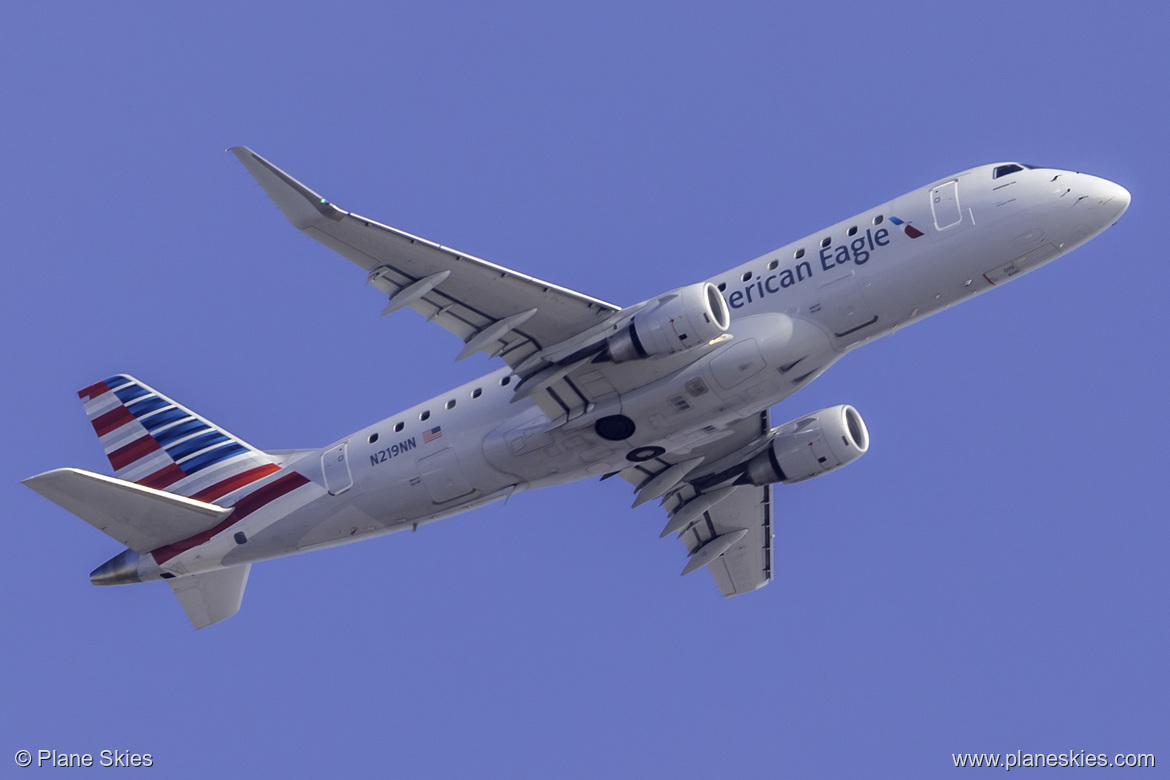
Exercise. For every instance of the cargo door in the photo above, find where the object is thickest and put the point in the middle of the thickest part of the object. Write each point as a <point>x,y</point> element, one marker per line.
<point>843,307</point>
<point>443,476</point>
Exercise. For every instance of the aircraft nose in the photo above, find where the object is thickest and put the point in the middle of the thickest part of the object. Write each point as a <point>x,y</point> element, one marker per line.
<point>1112,196</point>
<point>1109,198</point>
<point>1120,199</point>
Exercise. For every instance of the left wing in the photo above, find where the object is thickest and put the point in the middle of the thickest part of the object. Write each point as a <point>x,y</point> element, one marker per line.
<point>726,527</point>
<point>491,308</point>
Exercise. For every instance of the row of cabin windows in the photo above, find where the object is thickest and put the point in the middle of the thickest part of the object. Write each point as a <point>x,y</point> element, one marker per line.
<point>799,253</point>
<point>426,413</point>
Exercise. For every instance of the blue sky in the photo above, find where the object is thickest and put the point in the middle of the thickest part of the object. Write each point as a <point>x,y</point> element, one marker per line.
<point>990,578</point>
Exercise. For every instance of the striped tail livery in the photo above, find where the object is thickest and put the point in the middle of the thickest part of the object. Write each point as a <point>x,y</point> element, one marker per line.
<point>179,480</point>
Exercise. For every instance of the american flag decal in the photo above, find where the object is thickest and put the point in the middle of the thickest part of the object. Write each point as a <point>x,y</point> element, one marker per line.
<point>432,434</point>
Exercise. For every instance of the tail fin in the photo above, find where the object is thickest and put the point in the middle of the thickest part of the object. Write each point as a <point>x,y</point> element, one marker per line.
<point>154,442</point>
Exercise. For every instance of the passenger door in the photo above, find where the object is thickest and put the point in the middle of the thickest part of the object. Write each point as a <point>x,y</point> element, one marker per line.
<point>944,203</point>
<point>335,468</point>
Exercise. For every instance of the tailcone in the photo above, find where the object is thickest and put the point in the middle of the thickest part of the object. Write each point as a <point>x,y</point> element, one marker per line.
<point>122,569</point>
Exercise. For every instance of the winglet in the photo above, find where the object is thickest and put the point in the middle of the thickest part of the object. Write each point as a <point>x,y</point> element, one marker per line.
<point>297,202</point>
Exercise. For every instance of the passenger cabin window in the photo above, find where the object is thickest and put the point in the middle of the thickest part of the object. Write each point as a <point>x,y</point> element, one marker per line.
<point>451,404</point>
<point>373,438</point>
<point>1004,170</point>
<point>722,286</point>
<point>476,393</point>
<point>878,219</point>
<point>826,241</point>
<point>425,415</point>
<point>747,276</point>
<point>399,426</point>
<point>772,265</point>
<point>853,230</point>
<point>798,254</point>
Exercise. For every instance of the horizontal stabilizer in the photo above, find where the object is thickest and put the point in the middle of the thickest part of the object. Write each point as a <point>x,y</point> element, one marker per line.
<point>139,517</point>
<point>213,595</point>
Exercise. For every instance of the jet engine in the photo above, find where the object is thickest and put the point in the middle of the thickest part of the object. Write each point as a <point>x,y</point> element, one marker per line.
<point>678,321</point>
<point>811,446</point>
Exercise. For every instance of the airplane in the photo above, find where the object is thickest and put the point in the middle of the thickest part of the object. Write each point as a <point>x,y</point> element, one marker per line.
<point>671,394</point>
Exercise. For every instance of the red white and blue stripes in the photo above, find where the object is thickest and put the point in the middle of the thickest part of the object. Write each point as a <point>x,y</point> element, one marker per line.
<point>155,442</point>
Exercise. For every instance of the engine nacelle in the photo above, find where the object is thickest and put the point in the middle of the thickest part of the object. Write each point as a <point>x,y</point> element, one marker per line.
<point>678,321</point>
<point>811,446</point>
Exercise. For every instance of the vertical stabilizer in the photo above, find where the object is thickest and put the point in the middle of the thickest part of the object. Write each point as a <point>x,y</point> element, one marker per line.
<point>211,596</point>
<point>157,443</point>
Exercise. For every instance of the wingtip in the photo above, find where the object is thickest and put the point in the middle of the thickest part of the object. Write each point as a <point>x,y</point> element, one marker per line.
<point>37,481</point>
<point>301,205</point>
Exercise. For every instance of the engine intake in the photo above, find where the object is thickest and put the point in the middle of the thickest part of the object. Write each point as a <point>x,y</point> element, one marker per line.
<point>678,321</point>
<point>811,446</point>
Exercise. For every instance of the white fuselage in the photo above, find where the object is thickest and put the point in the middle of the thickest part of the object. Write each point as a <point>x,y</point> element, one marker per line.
<point>809,302</point>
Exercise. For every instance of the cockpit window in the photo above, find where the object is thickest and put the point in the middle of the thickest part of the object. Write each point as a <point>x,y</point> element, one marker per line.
<point>1005,169</point>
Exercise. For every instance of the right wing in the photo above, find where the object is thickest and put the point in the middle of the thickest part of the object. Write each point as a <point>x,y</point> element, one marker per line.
<point>746,564</point>
<point>726,527</point>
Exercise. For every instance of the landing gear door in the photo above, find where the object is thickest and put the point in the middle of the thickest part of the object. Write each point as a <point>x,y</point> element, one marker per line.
<point>335,468</point>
